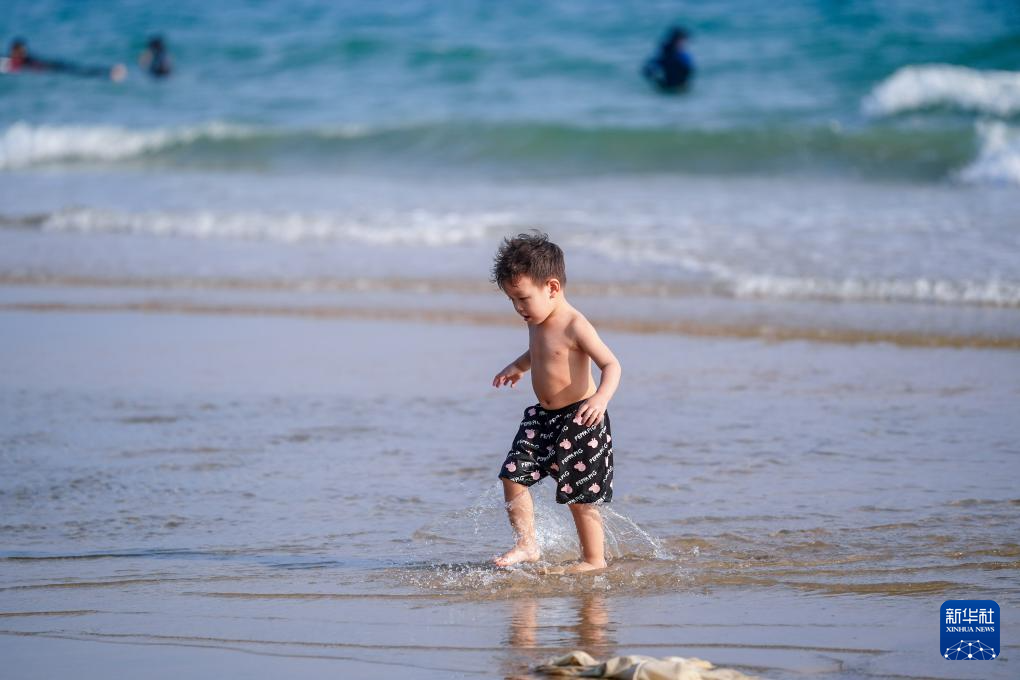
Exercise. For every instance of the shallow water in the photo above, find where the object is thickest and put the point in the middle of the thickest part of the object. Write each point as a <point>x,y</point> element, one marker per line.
<point>265,483</point>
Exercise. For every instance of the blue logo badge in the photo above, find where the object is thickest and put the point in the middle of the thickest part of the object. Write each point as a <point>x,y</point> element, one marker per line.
<point>970,630</point>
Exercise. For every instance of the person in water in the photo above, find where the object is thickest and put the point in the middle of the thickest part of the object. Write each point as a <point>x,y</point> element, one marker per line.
<point>671,68</point>
<point>566,435</point>
<point>155,59</point>
<point>20,59</point>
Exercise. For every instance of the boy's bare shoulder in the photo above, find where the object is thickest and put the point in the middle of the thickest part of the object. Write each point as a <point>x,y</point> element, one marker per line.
<point>577,325</point>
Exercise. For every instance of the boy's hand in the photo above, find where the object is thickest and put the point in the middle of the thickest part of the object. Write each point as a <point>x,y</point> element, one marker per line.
<point>511,374</point>
<point>592,411</point>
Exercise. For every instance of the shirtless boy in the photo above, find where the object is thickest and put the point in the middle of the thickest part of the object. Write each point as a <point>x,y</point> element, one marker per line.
<point>566,434</point>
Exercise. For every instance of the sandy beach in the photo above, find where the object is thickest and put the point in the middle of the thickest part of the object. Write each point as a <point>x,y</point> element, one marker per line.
<point>248,336</point>
<point>208,494</point>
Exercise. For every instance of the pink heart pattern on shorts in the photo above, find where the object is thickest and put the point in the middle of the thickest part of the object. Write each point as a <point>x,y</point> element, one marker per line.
<point>549,444</point>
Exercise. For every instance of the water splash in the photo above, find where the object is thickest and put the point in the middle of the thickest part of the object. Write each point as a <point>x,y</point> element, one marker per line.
<point>457,548</point>
<point>625,537</point>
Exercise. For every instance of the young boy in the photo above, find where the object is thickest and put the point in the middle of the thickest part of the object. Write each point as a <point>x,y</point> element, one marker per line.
<point>566,434</point>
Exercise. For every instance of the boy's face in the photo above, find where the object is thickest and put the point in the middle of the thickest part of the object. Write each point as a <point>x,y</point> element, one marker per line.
<point>532,301</point>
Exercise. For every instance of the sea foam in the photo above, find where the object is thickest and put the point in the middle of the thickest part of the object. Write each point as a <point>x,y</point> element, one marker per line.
<point>417,227</point>
<point>918,87</point>
<point>437,229</point>
<point>441,229</point>
<point>23,145</point>
<point>992,292</point>
<point>998,161</point>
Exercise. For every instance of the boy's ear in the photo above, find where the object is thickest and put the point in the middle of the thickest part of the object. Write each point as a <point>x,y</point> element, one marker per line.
<point>555,288</point>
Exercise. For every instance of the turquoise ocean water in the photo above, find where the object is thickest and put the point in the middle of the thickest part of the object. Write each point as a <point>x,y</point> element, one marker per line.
<point>846,88</point>
<point>848,152</point>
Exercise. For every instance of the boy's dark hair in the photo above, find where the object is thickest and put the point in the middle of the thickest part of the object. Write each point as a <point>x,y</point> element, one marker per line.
<point>532,255</point>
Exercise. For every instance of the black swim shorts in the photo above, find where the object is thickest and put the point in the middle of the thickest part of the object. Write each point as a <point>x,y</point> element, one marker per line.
<point>551,443</point>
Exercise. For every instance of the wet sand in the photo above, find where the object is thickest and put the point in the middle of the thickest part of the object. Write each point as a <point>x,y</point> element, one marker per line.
<point>630,306</point>
<point>218,494</point>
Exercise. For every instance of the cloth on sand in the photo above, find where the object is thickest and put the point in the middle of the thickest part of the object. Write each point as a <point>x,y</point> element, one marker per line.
<point>583,665</point>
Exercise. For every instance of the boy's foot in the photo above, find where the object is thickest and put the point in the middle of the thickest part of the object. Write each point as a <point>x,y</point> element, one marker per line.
<point>573,568</point>
<point>581,568</point>
<point>517,555</point>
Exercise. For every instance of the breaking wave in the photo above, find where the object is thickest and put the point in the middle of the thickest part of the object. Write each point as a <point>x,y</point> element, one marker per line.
<point>920,87</point>
<point>706,274</point>
<point>509,147</point>
<point>998,160</point>
<point>24,145</point>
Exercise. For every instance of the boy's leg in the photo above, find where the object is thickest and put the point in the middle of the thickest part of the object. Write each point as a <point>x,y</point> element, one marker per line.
<point>522,518</point>
<point>588,521</point>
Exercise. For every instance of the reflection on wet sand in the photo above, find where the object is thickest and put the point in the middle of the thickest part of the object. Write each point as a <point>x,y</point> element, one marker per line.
<point>592,627</point>
<point>591,631</point>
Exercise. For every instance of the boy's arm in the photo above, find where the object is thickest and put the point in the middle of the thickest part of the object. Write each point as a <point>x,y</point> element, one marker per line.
<point>593,410</point>
<point>514,371</point>
<point>523,362</point>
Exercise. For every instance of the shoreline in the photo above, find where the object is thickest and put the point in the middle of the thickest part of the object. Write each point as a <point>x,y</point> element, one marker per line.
<point>415,301</point>
<point>690,329</point>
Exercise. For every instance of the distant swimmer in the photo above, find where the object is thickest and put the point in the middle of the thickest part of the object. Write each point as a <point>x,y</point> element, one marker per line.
<point>671,68</point>
<point>19,59</point>
<point>155,60</point>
